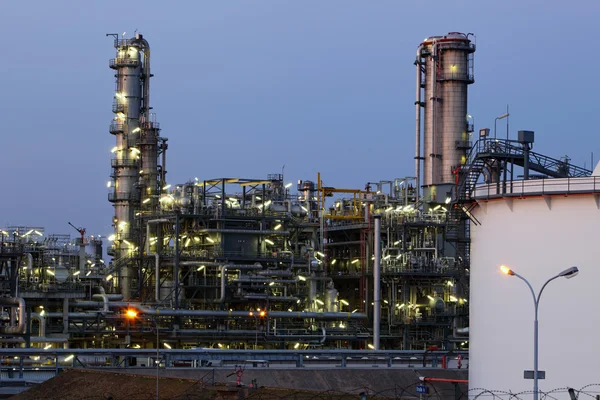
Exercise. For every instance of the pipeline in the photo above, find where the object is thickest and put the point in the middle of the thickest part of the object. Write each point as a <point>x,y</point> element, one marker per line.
<point>246,314</point>
<point>14,302</point>
<point>156,255</point>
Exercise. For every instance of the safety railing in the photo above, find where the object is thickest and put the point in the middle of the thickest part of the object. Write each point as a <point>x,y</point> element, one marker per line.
<point>532,187</point>
<point>123,62</point>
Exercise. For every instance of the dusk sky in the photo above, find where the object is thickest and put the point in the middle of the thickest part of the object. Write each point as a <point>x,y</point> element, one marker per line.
<point>242,88</point>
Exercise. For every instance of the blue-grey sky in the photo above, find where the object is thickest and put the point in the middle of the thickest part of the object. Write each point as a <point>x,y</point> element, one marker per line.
<point>242,88</point>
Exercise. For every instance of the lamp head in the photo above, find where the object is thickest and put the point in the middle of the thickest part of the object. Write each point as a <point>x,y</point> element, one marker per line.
<point>506,270</point>
<point>569,272</point>
<point>131,313</point>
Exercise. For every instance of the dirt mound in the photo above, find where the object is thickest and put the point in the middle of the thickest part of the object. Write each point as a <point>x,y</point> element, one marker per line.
<point>78,384</point>
<point>96,385</point>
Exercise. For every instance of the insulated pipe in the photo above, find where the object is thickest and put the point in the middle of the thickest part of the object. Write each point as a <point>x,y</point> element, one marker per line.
<point>29,261</point>
<point>104,301</point>
<point>156,255</point>
<point>459,332</point>
<point>223,269</point>
<point>42,321</point>
<point>376,281</point>
<point>14,302</point>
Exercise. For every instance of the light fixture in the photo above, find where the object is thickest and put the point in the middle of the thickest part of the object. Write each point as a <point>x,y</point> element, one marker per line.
<point>296,345</point>
<point>289,185</point>
<point>131,313</point>
<point>167,345</point>
<point>166,186</point>
<point>50,272</point>
<point>47,347</point>
<point>109,277</point>
<point>334,261</point>
<point>70,357</point>
<point>277,227</point>
<point>371,346</point>
<point>76,273</point>
<point>301,278</point>
<point>355,261</point>
<point>208,238</point>
<point>344,302</point>
<point>269,242</point>
<point>200,268</point>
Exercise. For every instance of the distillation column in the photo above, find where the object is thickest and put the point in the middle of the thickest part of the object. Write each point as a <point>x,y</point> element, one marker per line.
<point>135,154</point>
<point>444,71</point>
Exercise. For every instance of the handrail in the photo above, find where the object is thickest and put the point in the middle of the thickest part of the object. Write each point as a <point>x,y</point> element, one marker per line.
<point>532,187</point>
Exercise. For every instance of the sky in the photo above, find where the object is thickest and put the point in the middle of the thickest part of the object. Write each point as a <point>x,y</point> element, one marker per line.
<point>253,87</point>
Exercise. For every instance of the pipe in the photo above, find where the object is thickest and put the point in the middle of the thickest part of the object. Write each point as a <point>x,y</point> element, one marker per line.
<point>258,279</point>
<point>42,321</point>
<point>156,255</point>
<point>29,261</point>
<point>246,231</point>
<point>246,314</point>
<point>418,126</point>
<point>459,332</point>
<point>223,269</point>
<point>377,282</point>
<point>269,272</point>
<point>267,297</point>
<point>14,302</point>
<point>104,301</point>
<point>36,339</point>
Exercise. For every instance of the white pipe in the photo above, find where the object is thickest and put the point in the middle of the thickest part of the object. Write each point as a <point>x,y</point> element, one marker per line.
<point>29,261</point>
<point>14,302</point>
<point>42,320</point>
<point>376,282</point>
<point>156,255</point>
<point>104,299</point>
<point>223,269</point>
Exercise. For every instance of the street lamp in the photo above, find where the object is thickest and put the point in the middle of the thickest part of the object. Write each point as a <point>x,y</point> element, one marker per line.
<point>132,314</point>
<point>496,120</point>
<point>567,273</point>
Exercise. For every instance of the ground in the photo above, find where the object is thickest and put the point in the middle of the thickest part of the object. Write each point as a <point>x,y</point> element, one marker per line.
<point>95,385</point>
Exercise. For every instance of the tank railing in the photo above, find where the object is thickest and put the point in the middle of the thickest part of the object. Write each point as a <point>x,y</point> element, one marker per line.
<point>123,162</point>
<point>123,62</point>
<point>455,76</point>
<point>534,187</point>
<point>117,127</point>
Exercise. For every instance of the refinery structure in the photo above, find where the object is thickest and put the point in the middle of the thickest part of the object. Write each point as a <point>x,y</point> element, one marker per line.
<point>264,263</point>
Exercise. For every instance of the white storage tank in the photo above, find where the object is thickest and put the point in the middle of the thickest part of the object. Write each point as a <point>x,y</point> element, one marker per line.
<point>541,229</point>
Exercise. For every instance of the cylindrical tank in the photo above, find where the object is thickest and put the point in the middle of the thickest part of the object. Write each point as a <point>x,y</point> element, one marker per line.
<point>447,62</point>
<point>537,237</point>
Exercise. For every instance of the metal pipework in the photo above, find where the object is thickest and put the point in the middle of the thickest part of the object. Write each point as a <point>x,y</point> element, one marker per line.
<point>156,256</point>
<point>14,302</point>
<point>377,282</point>
<point>246,314</point>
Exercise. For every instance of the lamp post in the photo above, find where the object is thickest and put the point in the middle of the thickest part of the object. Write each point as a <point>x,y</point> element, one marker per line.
<point>132,314</point>
<point>496,120</point>
<point>567,273</point>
